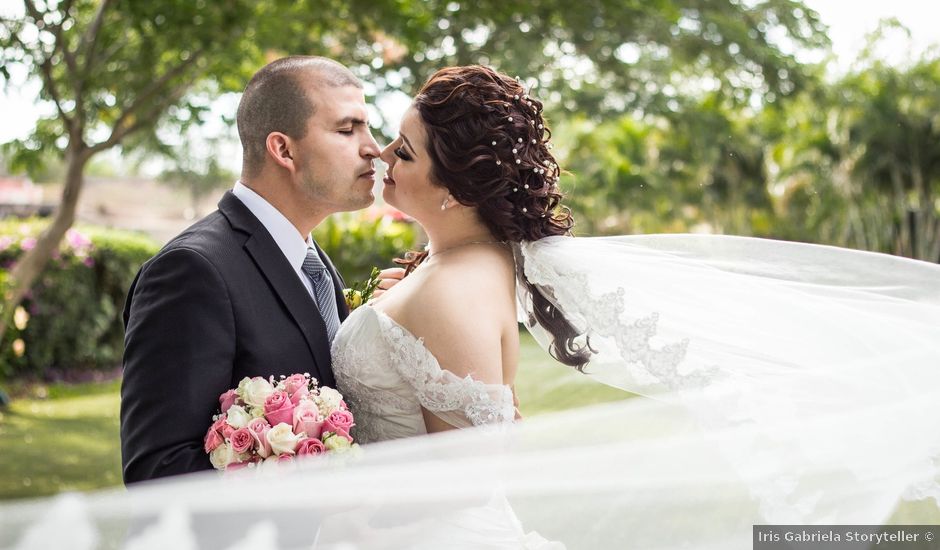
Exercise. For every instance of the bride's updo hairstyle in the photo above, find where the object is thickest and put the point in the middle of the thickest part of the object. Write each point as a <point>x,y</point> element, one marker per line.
<point>489,147</point>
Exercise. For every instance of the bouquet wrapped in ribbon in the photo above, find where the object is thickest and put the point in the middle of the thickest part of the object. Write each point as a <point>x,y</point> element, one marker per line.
<point>267,421</point>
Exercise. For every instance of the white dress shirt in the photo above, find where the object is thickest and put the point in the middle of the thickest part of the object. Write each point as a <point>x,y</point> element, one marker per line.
<point>288,239</point>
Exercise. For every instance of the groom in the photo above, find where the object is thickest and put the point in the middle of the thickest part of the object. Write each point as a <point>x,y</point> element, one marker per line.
<point>246,291</point>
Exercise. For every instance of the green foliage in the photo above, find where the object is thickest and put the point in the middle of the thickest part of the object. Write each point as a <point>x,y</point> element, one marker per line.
<point>852,162</point>
<point>857,161</point>
<point>72,317</point>
<point>126,66</point>
<point>360,241</point>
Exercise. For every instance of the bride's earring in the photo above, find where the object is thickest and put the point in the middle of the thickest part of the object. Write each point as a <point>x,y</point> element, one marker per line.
<point>444,205</point>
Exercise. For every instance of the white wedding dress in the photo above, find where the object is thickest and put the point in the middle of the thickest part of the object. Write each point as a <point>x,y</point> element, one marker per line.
<point>386,376</point>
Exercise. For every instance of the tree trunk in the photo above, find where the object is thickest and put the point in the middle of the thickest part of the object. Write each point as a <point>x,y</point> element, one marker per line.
<point>31,264</point>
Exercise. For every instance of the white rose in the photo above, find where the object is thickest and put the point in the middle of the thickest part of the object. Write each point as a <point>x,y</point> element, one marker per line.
<point>336,443</point>
<point>240,390</point>
<point>222,456</point>
<point>238,417</point>
<point>329,400</point>
<point>256,391</point>
<point>283,439</point>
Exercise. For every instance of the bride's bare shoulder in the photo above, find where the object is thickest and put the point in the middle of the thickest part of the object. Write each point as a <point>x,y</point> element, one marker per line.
<point>462,308</point>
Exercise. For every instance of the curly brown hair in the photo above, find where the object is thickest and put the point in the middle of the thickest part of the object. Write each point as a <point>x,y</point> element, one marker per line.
<point>489,147</point>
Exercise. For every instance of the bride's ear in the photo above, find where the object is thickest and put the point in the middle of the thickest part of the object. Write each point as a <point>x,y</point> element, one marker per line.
<point>449,202</point>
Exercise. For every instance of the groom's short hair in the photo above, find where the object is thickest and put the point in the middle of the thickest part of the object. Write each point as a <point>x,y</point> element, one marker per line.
<point>277,99</point>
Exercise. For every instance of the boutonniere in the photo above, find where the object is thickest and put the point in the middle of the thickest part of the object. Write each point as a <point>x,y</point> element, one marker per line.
<point>361,291</point>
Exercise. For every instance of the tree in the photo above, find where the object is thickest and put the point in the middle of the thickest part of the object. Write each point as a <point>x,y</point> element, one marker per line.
<point>114,69</point>
<point>858,160</point>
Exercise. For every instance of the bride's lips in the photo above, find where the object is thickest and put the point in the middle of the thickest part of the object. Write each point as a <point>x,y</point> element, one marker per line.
<point>388,180</point>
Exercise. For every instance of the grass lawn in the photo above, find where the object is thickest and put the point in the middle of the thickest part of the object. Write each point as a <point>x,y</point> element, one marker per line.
<point>69,440</point>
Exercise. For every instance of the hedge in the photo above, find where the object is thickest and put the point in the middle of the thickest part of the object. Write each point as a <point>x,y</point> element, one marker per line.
<point>71,319</point>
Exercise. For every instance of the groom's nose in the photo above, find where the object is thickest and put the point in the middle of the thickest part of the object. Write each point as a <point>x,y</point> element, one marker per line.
<point>369,148</point>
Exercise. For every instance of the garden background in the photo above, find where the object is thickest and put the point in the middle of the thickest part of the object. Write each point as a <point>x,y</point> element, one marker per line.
<point>716,116</point>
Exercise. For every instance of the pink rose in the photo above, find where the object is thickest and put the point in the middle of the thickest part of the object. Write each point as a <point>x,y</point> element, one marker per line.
<point>242,440</point>
<point>227,399</point>
<point>296,386</point>
<point>339,420</point>
<point>310,447</point>
<point>212,440</point>
<point>285,457</point>
<point>259,428</point>
<point>227,431</point>
<point>301,393</point>
<point>308,421</point>
<point>223,427</point>
<point>278,408</point>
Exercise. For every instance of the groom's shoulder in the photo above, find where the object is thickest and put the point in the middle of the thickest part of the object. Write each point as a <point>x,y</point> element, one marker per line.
<point>209,236</point>
<point>212,238</point>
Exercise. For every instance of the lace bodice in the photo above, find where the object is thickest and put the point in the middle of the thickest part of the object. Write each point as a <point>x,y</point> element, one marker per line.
<point>387,375</point>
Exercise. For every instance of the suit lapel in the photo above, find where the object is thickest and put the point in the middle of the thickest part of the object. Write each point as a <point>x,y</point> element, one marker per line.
<point>281,276</point>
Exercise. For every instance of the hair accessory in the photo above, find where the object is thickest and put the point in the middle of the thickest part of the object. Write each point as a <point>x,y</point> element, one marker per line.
<point>519,140</point>
<point>493,143</point>
<point>518,161</point>
<point>498,162</point>
<point>510,119</point>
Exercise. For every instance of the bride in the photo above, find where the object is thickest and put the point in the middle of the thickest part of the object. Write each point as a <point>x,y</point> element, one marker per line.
<point>788,383</point>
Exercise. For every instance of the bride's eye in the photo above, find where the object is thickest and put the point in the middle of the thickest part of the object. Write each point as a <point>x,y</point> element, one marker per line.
<point>400,153</point>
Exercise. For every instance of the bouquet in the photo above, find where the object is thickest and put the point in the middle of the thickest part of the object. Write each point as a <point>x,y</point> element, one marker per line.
<point>361,292</point>
<point>267,421</point>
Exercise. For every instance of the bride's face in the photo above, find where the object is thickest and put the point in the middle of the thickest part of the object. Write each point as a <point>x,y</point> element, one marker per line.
<point>408,185</point>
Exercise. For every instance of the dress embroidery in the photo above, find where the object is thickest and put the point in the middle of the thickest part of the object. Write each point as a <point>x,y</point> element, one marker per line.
<point>387,375</point>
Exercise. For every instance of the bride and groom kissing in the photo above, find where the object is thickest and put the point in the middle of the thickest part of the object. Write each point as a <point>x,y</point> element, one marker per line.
<point>247,292</point>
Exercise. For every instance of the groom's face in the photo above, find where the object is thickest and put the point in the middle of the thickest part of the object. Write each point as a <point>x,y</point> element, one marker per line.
<point>335,157</point>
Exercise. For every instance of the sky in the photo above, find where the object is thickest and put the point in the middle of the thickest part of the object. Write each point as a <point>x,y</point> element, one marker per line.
<point>848,20</point>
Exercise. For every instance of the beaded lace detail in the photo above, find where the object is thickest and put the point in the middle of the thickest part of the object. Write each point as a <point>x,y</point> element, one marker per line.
<point>604,315</point>
<point>387,376</point>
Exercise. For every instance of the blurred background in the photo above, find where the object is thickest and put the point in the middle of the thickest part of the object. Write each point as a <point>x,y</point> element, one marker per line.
<point>813,120</point>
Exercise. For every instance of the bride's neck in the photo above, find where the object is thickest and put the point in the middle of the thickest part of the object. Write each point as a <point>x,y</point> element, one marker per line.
<point>453,233</point>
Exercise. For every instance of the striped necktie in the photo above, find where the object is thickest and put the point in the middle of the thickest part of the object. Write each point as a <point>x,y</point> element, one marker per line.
<point>323,291</point>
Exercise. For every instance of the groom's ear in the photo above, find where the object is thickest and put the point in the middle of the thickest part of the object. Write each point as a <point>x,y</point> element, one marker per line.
<point>279,146</point>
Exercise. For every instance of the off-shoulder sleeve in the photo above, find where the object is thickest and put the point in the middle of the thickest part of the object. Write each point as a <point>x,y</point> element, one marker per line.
<point>461,402</point>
